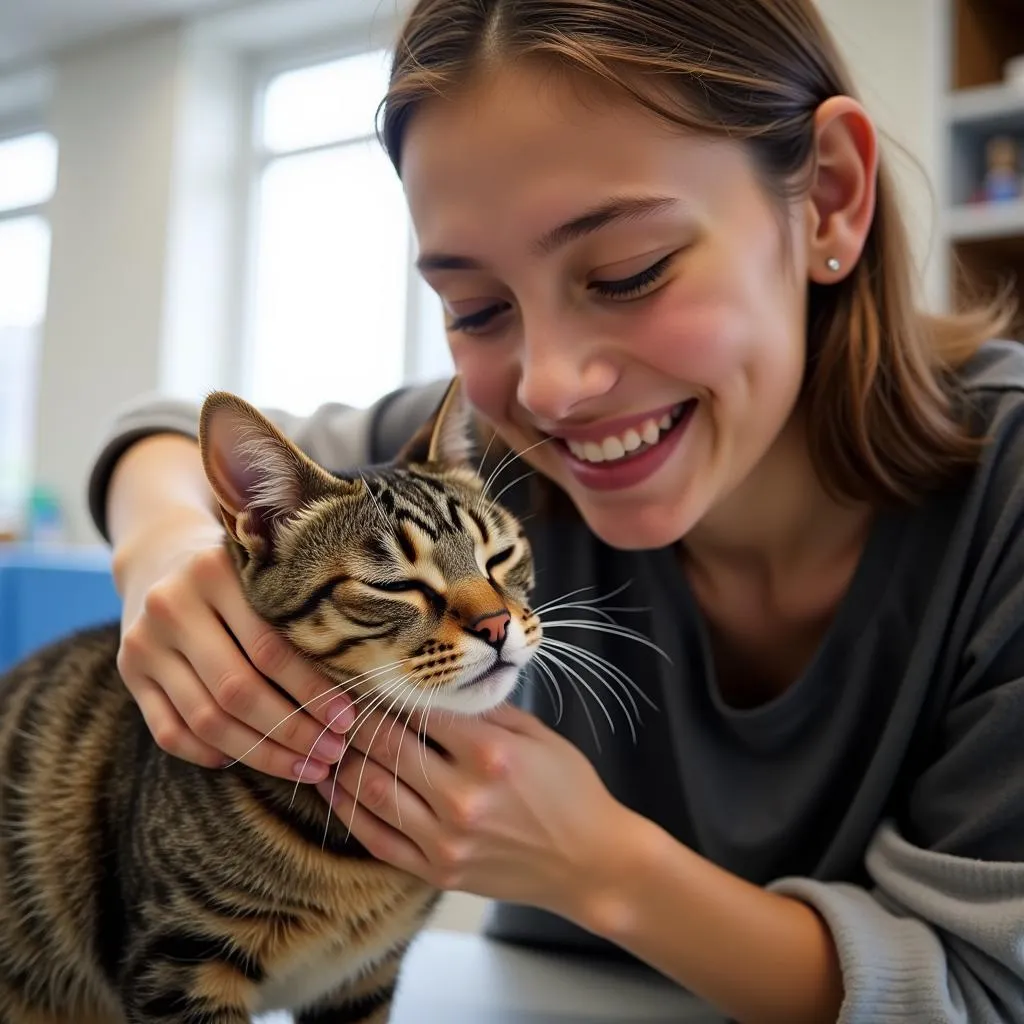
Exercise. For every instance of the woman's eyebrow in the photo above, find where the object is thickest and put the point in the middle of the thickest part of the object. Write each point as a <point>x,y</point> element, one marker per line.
<point>622,208</point>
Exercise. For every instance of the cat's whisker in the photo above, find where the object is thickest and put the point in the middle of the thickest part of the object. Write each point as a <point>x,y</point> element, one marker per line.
<point>551,683</point>
<point>612,630</point>
<point>334,783</point>
<point>607,666</point>
<point>337,768</point>
<point>487,451</point>
<point>518,479</point>
<point>373,739</point>
<point>400,717</point>
<point>376,504</point>
<point>540,659</point>
<point>507,459</point>
<point>421,736</point>
<point>606,673</point>
<point>560,662</point>
<point>333,691</point>
<point>594,666</point>
<point>588,602</point>
<point>383,696</point>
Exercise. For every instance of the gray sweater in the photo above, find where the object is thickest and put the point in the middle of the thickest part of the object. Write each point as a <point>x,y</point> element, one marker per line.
<point>885,788</point>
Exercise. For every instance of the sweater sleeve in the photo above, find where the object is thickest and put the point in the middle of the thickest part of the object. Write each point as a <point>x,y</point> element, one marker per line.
<point>338,437</point>
<point>334,435</point>
<point>938,940</point>
<point>939,936</point>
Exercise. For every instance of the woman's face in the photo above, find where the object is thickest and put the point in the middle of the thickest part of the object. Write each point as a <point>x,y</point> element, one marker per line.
<point>622,300</point>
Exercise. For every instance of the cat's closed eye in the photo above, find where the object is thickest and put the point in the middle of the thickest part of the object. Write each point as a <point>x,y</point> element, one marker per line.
<point>499,559</point>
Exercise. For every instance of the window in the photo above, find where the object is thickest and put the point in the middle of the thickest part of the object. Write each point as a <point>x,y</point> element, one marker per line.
<point>334,310</point>
<point>28,172</point>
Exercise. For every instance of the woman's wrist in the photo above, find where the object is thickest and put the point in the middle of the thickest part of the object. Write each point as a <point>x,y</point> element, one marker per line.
<point>755,955</point>
<point>162,542</point>
<point>602,900</point>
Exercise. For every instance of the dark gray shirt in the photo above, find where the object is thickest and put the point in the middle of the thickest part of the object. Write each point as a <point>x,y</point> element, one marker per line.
<point>885,787</point>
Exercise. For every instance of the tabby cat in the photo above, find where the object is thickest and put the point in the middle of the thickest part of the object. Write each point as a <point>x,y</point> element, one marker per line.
<point>137,888</point>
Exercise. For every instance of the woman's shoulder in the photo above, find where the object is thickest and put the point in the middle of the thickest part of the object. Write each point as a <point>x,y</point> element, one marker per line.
<point>990,388</point>
<point>997,368</point>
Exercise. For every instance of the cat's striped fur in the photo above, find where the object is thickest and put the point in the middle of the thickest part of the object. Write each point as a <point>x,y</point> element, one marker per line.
<point>136,888</point>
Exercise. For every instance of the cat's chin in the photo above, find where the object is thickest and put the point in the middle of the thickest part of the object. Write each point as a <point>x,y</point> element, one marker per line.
<point>490,690</point>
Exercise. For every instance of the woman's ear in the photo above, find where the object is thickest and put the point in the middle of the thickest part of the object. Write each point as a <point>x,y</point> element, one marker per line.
<point>841,201</point>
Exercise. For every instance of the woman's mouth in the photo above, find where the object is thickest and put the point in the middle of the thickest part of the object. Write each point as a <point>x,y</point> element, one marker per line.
<point>627,457</point>
<point>629,443</point>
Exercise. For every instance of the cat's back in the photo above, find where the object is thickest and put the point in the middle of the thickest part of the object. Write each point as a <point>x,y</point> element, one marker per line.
<point>69,731</point>
<point>57,698</point>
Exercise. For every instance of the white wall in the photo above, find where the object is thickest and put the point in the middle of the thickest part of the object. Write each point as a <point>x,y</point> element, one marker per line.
<point>113,112</point>
<point>896,51</point>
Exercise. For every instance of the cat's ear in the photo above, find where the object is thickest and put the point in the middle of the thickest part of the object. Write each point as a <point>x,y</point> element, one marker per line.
<point>446,439</point>
<point>261,480</point>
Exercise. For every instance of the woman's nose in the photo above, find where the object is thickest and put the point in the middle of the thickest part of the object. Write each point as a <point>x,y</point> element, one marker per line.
<point>557,376</point>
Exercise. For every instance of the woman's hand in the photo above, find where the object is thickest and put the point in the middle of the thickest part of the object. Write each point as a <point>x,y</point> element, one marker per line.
<point>509,810</point>
<point>197,659</point>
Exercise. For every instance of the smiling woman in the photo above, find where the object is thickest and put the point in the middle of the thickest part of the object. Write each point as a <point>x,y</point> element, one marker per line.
<point>678,289</point>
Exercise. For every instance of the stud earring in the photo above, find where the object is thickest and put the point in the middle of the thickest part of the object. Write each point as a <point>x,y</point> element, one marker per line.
<point>833,264</point>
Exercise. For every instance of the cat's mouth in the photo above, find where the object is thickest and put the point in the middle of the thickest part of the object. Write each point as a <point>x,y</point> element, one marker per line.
<point>497,670</point>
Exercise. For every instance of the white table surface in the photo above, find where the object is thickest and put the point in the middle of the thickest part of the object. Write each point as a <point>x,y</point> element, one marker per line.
<point>461,978</point>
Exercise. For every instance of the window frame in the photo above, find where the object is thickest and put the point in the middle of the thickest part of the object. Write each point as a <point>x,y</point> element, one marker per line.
<point>258,73</point>
<point>12,126</point>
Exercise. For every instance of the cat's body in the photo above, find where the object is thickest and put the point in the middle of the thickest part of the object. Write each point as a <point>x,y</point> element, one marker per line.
<point>130,876</point>
<point>137,888</point>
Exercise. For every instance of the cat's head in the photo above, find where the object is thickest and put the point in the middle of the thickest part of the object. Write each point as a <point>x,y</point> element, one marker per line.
<point>405,578</point>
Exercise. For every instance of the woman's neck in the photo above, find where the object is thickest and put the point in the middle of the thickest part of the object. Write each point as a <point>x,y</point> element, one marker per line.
<point>780,521</point>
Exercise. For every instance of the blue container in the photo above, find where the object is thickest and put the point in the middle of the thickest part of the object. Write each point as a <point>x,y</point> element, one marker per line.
<point>47,592</point>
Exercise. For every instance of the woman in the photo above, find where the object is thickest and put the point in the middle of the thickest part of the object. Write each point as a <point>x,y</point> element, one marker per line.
<point>677,281</point>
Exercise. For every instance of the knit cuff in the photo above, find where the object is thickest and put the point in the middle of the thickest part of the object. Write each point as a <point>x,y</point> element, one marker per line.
<point>894,967</point>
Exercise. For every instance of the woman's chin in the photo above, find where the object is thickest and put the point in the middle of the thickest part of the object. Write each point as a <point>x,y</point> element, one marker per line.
<point>636,528</point>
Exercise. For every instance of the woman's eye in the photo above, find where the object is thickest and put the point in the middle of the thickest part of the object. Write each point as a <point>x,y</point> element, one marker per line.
<point>480,319</point>
<point>630,287</point>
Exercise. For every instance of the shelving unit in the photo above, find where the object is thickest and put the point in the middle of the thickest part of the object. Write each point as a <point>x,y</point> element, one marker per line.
<point>984,239</point>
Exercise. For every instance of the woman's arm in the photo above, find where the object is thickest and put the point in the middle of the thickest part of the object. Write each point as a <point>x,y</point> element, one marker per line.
<point>938,939</point>
<point>756,955</point>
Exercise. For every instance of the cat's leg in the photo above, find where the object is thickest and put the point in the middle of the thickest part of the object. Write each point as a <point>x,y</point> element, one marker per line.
<point>366,1001</point>
<point>167,991</point>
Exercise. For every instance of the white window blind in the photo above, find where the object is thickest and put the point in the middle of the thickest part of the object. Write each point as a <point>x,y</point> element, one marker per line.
<point>28,171</point>
<point>329,303</point>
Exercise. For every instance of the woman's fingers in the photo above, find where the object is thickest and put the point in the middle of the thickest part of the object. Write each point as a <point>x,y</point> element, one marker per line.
<point>207,722</point>
<point>169,729</point>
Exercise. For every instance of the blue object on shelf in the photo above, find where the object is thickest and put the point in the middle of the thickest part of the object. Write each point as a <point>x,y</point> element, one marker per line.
<point>47,592</point>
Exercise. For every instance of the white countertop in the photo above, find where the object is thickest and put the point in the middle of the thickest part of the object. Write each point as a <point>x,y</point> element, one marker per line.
<point>460,978</point>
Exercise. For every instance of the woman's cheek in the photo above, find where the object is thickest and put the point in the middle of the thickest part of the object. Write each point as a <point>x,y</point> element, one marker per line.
<point>487,377</point>
<point>701,344</point>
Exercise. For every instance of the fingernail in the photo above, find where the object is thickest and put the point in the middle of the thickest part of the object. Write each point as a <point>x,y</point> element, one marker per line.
<point>340,714</point>
<point>329,749</point>
<point>310,771</point>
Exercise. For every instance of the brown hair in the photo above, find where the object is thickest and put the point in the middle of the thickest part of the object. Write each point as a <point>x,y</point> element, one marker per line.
<point>880,383</point>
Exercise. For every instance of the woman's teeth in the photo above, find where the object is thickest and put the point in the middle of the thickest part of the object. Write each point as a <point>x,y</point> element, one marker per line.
<point>630,442</point>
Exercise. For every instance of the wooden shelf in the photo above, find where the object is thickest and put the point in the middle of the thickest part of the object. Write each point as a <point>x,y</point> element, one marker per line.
<point>985,241</point>
<point>986,34</point>
<point>978,222</point>
<point>987,107</point>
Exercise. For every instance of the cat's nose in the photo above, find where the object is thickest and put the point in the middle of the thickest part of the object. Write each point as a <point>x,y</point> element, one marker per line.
<point>492,628</point>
